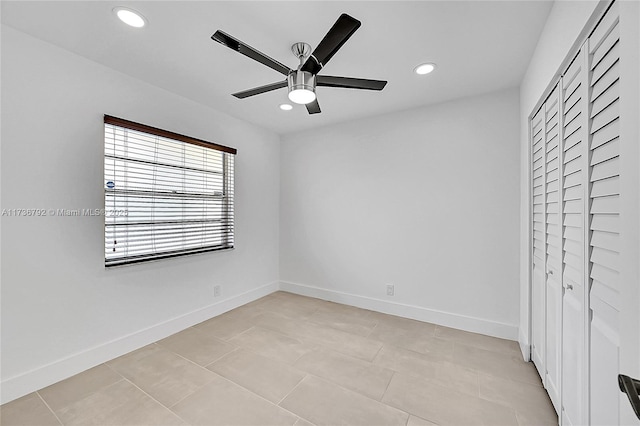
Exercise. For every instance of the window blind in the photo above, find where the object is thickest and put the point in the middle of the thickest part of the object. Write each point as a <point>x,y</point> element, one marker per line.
<point>166,194</point>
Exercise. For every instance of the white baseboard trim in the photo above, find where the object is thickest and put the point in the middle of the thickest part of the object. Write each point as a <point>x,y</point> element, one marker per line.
<point>447,319</point>
<point>30,381</point>
<point>525,348</point>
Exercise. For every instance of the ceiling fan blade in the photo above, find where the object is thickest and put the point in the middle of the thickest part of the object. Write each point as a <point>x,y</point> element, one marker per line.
<point>314,107</point>
<point>235,44</point>
<point>349,82</point>
<point>343,28</point>
<point>261,89</point>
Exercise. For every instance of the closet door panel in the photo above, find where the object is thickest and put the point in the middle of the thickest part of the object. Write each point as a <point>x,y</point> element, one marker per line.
<point>553,291</point>
<point>574,175</point>
<point>604,241</point>
<point>539,245</point>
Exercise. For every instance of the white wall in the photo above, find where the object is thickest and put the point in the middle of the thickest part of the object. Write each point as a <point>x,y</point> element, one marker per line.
<point>425,199</point>
<point>562,29</point>
<point>62,312</point>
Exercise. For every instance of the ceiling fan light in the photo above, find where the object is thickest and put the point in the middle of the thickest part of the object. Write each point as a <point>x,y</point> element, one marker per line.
<point>302,87</point>
<point>302,96</point>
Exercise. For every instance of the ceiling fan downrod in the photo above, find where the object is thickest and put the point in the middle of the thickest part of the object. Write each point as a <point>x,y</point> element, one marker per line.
<point>301,84</point>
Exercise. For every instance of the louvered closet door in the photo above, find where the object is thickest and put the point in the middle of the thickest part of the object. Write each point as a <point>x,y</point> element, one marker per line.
<point>538,270</point>
<point>574,177</point>
<point>553,293</point>
<point>604,197</point>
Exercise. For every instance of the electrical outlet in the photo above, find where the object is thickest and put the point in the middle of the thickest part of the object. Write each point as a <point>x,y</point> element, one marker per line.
<point>217,291</point>
<point>390,289</point>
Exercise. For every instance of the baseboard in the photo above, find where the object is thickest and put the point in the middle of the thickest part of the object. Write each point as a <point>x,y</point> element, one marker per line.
<point>525,348</point>
<point>447,319</point>
<point>30,381</point>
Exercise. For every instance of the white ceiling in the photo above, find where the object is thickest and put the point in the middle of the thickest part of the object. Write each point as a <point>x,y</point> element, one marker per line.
<point>479,46</point>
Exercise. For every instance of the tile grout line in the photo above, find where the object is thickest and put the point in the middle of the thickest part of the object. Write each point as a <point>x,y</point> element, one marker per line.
<point>388,384</point>
<point>241,333</point>
<point>375,327</point>
<point>292,389</point>
<point>187,395</point>
<point>262,397</point>
<point>158,402</point>
<point>86,396</point>
<point>236,349</point>
<point>194,391</point>
<point>49,407</point>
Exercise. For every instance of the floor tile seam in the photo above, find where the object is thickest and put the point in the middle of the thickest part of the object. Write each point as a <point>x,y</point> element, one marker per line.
<point>203,367</point>
<point>292,389</point>
<point>441,384</point>
<point>103,388</point>
<point>506,404</point>
<point>537,386</point>
<point>290,336</point>
<point>256,394</point>
<point>522,422</point>
<point>375,327</point>
<point>373,360</point>
<point>276,330</point>
<point>121,377</point>
<point>255,352</point>
<point>314,322</point>
<point>422,354</point>
<point>216,338</point>
<point>426,420</point>
<point>311,341</point>
<point>351,357</point>
<point>340,332</point>
<point>515,412</point>
<point>236,349</point>
<point>281,363</point>
<point>410,413</point>
<point>509,378</point>
<point>353,391</point>
<point>488,373</point>
<point>387,388</point>
<point>156,401</point>
<point>188,394</point>
<point>240,334</point>
<point>327,379</point>
<point>49,408</point>
<point>506,352</point>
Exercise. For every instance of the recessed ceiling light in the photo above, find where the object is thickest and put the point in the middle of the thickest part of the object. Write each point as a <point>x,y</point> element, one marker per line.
<point>424,68</point>
<point>286,107</point>
<point>130,17</point>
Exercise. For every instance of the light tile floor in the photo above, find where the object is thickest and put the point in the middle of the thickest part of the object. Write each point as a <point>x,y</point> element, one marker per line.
<point>293,360</point>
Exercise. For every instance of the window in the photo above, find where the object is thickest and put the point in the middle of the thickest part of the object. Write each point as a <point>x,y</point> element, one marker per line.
<point>165,194</point>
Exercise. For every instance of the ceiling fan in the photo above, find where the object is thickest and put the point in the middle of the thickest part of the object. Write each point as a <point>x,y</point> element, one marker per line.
<point>302,81</point>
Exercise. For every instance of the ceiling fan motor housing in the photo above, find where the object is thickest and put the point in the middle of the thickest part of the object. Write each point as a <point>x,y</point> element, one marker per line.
<point>301,80</point>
